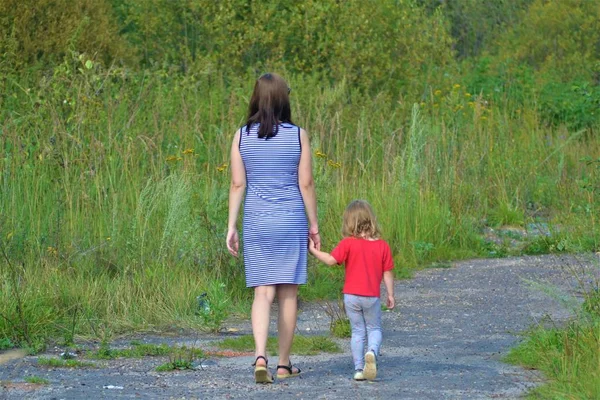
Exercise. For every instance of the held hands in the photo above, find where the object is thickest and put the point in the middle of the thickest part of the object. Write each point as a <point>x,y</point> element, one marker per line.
<point>312,247</point>
<point>233,242</point>
<point>315,239</point>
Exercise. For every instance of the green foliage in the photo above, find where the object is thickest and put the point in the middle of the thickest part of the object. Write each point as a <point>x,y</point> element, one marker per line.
<point>568,357</point>
<point>114,177</point>
<point>591,302</point>
<point>136,351</point>
<point>560,37</point>
<point>476,25</point>
<point>59,363</point>
<point>213,309</point>
<point>506,214</point>
<point>34,31</point>
<point>176,365</point>
<point>340,328</point>
<point>573,103</point>
<point>6,343</point>
<point>372,43</point>
<point>36,380</point>
<point>181,358</point>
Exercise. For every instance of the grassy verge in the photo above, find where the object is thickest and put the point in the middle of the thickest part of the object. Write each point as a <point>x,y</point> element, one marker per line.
<point>59,363</point>
<point>143,350</point>
<point>36,380</point>
<point>569,356</point>
<point>302,345</point>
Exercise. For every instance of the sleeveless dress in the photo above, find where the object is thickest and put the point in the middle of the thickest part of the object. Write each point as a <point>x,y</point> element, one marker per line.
<point>274,229</point>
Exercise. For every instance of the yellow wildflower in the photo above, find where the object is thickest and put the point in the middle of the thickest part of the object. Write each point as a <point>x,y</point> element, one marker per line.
<point>188,151</point>
<point>437,92</point>
<point>173,158</point>
<point>456,86</point>
<point>320,154</point>
<point>108,239</point>
<point>467,95</point>
<point>334,164</point>
<point>471,104</point>
<point>52,251</point>
<point>222,167</point>
<point>483,118</point>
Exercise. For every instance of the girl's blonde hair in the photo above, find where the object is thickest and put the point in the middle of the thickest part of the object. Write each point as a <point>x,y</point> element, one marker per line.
<point>360,221</point>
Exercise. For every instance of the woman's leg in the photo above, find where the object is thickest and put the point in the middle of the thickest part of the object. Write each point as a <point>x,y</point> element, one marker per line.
<point>354,311</point>
<point>261,311</point>
<point>287,298</point>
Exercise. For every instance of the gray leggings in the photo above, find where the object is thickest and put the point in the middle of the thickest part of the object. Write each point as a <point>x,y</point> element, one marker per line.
<point>365,319</point>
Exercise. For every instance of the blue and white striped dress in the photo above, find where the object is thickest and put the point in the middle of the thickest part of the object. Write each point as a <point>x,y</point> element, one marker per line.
<point>275,229</point>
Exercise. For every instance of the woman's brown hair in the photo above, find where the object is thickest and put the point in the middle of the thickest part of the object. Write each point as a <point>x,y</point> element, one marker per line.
<point>269,105</point>
<point>360,221</point>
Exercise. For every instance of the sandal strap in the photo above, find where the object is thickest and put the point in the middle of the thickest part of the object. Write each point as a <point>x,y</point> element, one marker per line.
<point>258,358</point>
<point>288,368</point>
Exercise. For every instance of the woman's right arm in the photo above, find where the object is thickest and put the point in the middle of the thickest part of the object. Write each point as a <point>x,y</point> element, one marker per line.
<point>236,194</point>
<point>307,188</point>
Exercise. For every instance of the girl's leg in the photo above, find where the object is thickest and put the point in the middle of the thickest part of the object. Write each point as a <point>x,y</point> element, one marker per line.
<point>261,309</point>
<point>357,322</point>
<point>287,298</point>
<point>372,314</point>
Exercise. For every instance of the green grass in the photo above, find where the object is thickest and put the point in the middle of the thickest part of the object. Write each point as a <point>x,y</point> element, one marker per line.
<point>302,345</point>
<point>6,343</point>
<point>114,204</point>
<point>181,358</point>
<point>340,328</point>
<point>174,366</point>
<point>569,356</point>
<point>136,351</point>
<point>36,380</point>
<point>59,363</point>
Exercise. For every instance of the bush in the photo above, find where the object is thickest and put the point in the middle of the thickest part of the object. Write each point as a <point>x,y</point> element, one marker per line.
<point>43,31</point>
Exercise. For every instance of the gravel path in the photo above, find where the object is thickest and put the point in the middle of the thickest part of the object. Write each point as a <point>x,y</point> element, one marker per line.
<point>445,341</point>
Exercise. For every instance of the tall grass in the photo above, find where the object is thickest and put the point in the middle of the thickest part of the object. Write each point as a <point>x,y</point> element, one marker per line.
<point>114,185</point>
<point>568,353</point>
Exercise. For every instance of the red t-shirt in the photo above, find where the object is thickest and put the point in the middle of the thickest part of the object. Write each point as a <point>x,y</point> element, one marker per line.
<point>365,262</point>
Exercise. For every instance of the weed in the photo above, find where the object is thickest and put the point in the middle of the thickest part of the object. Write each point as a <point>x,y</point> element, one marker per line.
<point>136,351</point>
<point>59,363</point>
<point>174,365</point>
<point>339,324</point>
<point>340,328</point>
<point>180,359</point>
<point>6,343</point>
<point>36,380</point>
<point>568,354</point>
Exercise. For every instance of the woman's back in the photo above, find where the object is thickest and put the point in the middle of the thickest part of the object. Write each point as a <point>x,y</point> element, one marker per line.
<point>272,170</point>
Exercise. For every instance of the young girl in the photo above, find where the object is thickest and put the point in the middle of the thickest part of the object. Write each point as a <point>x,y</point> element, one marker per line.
<point>368,260</point>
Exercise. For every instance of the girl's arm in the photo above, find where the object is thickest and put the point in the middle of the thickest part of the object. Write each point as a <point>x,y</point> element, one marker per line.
<point>325,258</point>
<point>236,194</point>
<point>388,280</point>
<point>307,188</point>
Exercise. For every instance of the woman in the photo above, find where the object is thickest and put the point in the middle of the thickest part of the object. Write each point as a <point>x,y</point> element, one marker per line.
<point>271,165</point>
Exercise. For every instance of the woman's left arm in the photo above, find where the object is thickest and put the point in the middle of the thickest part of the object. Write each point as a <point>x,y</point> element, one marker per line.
<point>307,188</point>
<point>236,194</point>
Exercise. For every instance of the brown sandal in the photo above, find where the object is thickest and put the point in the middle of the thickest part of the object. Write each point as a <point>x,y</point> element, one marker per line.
<point>261,373</point>
<point>289,369</point>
